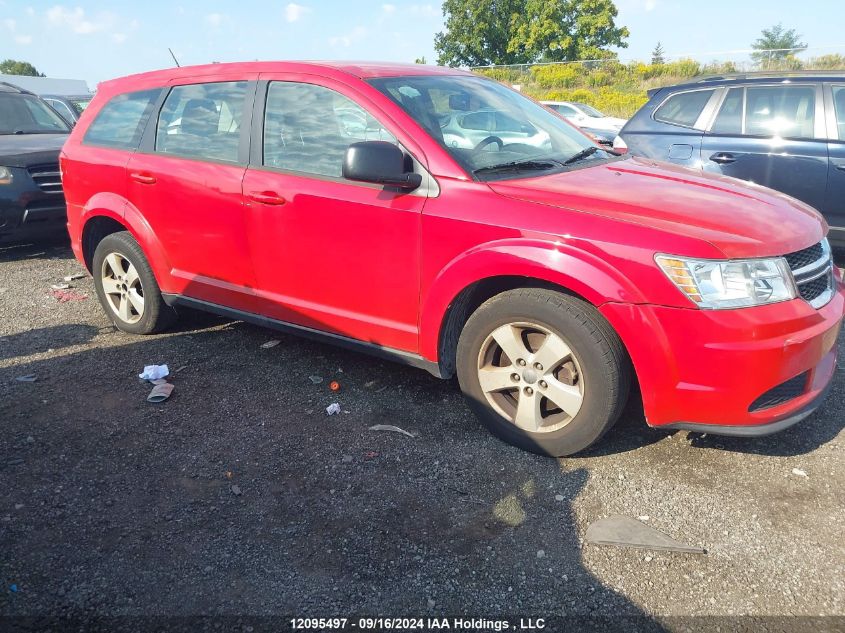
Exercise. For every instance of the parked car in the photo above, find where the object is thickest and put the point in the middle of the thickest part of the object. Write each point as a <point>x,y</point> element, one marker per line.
<point>69,106</point>
<point>467,130</point>
<point>31,135</point>
<point>585,116</point>
<point>544,275</point>
<point>785,131</point>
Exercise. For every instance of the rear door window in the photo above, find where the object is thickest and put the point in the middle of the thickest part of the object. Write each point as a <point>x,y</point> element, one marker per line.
<point>785,111</point>
<point>729,119</point>
<point>683,108</point>
<point>839,110</point>
<point>202,121</point>
<point>121,121</point>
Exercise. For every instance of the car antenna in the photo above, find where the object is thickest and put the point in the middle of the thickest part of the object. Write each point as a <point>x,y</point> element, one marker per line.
<point>178,65</point>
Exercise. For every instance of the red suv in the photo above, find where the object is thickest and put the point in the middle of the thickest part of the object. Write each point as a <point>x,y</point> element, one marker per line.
<point>444,220</point>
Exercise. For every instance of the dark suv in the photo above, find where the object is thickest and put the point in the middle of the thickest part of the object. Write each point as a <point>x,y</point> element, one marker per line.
<point>784,131</point>
<point>31,135</point>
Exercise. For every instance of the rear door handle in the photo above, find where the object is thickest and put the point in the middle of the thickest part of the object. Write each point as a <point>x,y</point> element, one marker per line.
<point>144,179</point>
<point>723,158</point>
<point>266,197</point>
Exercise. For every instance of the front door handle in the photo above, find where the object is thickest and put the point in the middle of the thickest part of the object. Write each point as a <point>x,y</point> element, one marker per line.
<point>723,158</point>
<point>143,178</point>
<point>840,166</point>
<point>266,197</point>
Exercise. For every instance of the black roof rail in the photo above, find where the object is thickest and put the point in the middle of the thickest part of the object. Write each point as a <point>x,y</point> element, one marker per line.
<point>5,86</point>
<point>771,74</point>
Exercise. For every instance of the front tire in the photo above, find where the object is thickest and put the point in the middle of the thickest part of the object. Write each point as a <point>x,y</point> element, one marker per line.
<point>127,288</point>
<point>543,370</point>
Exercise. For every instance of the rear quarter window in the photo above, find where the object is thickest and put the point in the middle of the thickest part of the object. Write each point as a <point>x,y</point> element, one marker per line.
<point>120,123</point>
<point>684,108</point>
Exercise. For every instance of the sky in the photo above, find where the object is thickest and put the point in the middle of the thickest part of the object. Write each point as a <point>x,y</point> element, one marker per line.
<point>100,40</point>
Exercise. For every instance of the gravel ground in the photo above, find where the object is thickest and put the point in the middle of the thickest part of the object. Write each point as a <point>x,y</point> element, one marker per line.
<point>240,496</point>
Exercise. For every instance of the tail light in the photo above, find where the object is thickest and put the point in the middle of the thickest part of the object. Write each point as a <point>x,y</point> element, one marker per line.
<point>619,145</point>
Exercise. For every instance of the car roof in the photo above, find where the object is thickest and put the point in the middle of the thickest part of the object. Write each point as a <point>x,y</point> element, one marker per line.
<point>362,70</point>
<point>756,77</point>
<point>5,86</point>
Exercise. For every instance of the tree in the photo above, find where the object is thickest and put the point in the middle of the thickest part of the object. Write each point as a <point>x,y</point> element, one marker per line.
<point>14,67</point>
<point>420,60</point>
<point>482,32</point>
<point>774,44</point>
<point>657,55</point>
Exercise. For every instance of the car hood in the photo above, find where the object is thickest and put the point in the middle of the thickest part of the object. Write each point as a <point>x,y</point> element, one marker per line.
<point>738,218</point>
<point>23,150</point>
<point>606,123</point>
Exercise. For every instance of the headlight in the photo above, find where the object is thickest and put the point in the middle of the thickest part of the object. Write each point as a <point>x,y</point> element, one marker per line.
<point>5,176</point>
<point>733,283</point>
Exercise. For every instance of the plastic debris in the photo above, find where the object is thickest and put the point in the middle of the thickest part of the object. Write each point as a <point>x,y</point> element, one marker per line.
<point>270,344</point>
<point>624,531</point>
<point>346,459</point>
<point>799,472</point>
<point>390,427</point>
<point>180,369</point>
<point>316,380</point>
<point>154,372</point>
<point>63,296</point>
<point>333,408</point>
<point>558,497</point>
<point>334,385</point>
<point>60,286</point>
<point>13,588</point>
<point>159,381</point>
<point>74,277</point>
<point>541,553</point>
<point>27,378</point>
<point>236,490</point>
<point>160,393</point>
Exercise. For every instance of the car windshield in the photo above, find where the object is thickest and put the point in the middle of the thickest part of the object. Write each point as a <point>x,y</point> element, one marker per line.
<point>590,110</point>
<point>491,131</point>
<point>26,114</point>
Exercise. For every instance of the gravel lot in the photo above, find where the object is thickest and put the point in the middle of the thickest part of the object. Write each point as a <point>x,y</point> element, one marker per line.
<point>240,496</point>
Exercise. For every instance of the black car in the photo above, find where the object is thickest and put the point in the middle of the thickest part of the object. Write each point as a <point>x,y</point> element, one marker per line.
<point>785,131</point>
<point>31,135</point>
<point>69,106</point>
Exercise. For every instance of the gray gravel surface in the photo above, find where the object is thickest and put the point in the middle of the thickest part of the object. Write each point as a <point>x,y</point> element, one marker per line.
<point>240,496</point>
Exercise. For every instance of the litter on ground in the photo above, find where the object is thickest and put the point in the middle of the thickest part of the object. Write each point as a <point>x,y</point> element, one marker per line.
<point>27,378</point>
<point>316,380</point>
<point>333,408</point>
<point>160,393</point>
<point>390,427</point>
<point>270,344</point>
<point>63,296</point>
<point>74,277</point>
<point>154,372</point>
<point>623,531</point>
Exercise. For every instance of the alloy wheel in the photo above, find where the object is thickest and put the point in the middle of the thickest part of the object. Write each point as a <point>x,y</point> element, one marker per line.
<point>122,288</point>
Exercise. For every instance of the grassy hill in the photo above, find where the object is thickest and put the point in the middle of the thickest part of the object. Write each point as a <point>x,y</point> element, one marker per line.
<point>619,89</point>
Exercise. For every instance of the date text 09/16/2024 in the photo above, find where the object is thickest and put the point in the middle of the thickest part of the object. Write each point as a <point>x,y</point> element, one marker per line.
<point>419,624</point>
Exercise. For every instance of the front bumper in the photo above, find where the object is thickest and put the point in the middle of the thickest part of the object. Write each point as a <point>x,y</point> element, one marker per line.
<point>26,210</point>
<point>706,370</point>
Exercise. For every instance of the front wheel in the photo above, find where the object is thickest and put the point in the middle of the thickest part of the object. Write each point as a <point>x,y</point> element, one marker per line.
<point>127,288</point>
<point>543,371</point>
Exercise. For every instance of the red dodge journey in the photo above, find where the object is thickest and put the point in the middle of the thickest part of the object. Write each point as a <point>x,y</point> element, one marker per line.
<point>443,220</point>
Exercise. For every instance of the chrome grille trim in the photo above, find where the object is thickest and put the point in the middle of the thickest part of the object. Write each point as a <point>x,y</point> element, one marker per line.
<point>47,177</point>
<point>807,275</point>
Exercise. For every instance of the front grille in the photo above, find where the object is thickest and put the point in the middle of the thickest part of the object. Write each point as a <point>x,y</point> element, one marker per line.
<point>799,259</point>
<point>784,392</point>
<point>47,177</point>
<point>812,269</point>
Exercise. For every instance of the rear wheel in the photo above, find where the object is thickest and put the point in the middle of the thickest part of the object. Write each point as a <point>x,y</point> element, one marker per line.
<point>543,371</point>
<point>127,288</point>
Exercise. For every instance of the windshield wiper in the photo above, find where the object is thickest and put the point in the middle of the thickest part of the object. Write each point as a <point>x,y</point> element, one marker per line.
<point>517,165</point>
<point>587,151</point>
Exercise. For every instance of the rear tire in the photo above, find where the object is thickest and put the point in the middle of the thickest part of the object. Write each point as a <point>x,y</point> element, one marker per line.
<point>568,383</point>
<point>127,288</point>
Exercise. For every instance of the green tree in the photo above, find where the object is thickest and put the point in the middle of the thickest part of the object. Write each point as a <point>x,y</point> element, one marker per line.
<point>773,45</point>
<point>482,32</point>
<point>657,55</point>
<point>14,67</point>
<point>420,60</point>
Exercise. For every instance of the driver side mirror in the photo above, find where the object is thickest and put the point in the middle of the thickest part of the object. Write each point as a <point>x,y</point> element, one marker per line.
<point>379,162</point>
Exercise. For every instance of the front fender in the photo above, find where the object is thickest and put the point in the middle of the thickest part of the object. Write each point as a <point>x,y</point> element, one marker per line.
<point>557,263</point>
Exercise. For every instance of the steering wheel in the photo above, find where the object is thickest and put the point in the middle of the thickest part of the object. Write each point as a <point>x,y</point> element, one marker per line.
<point>489,141</point>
